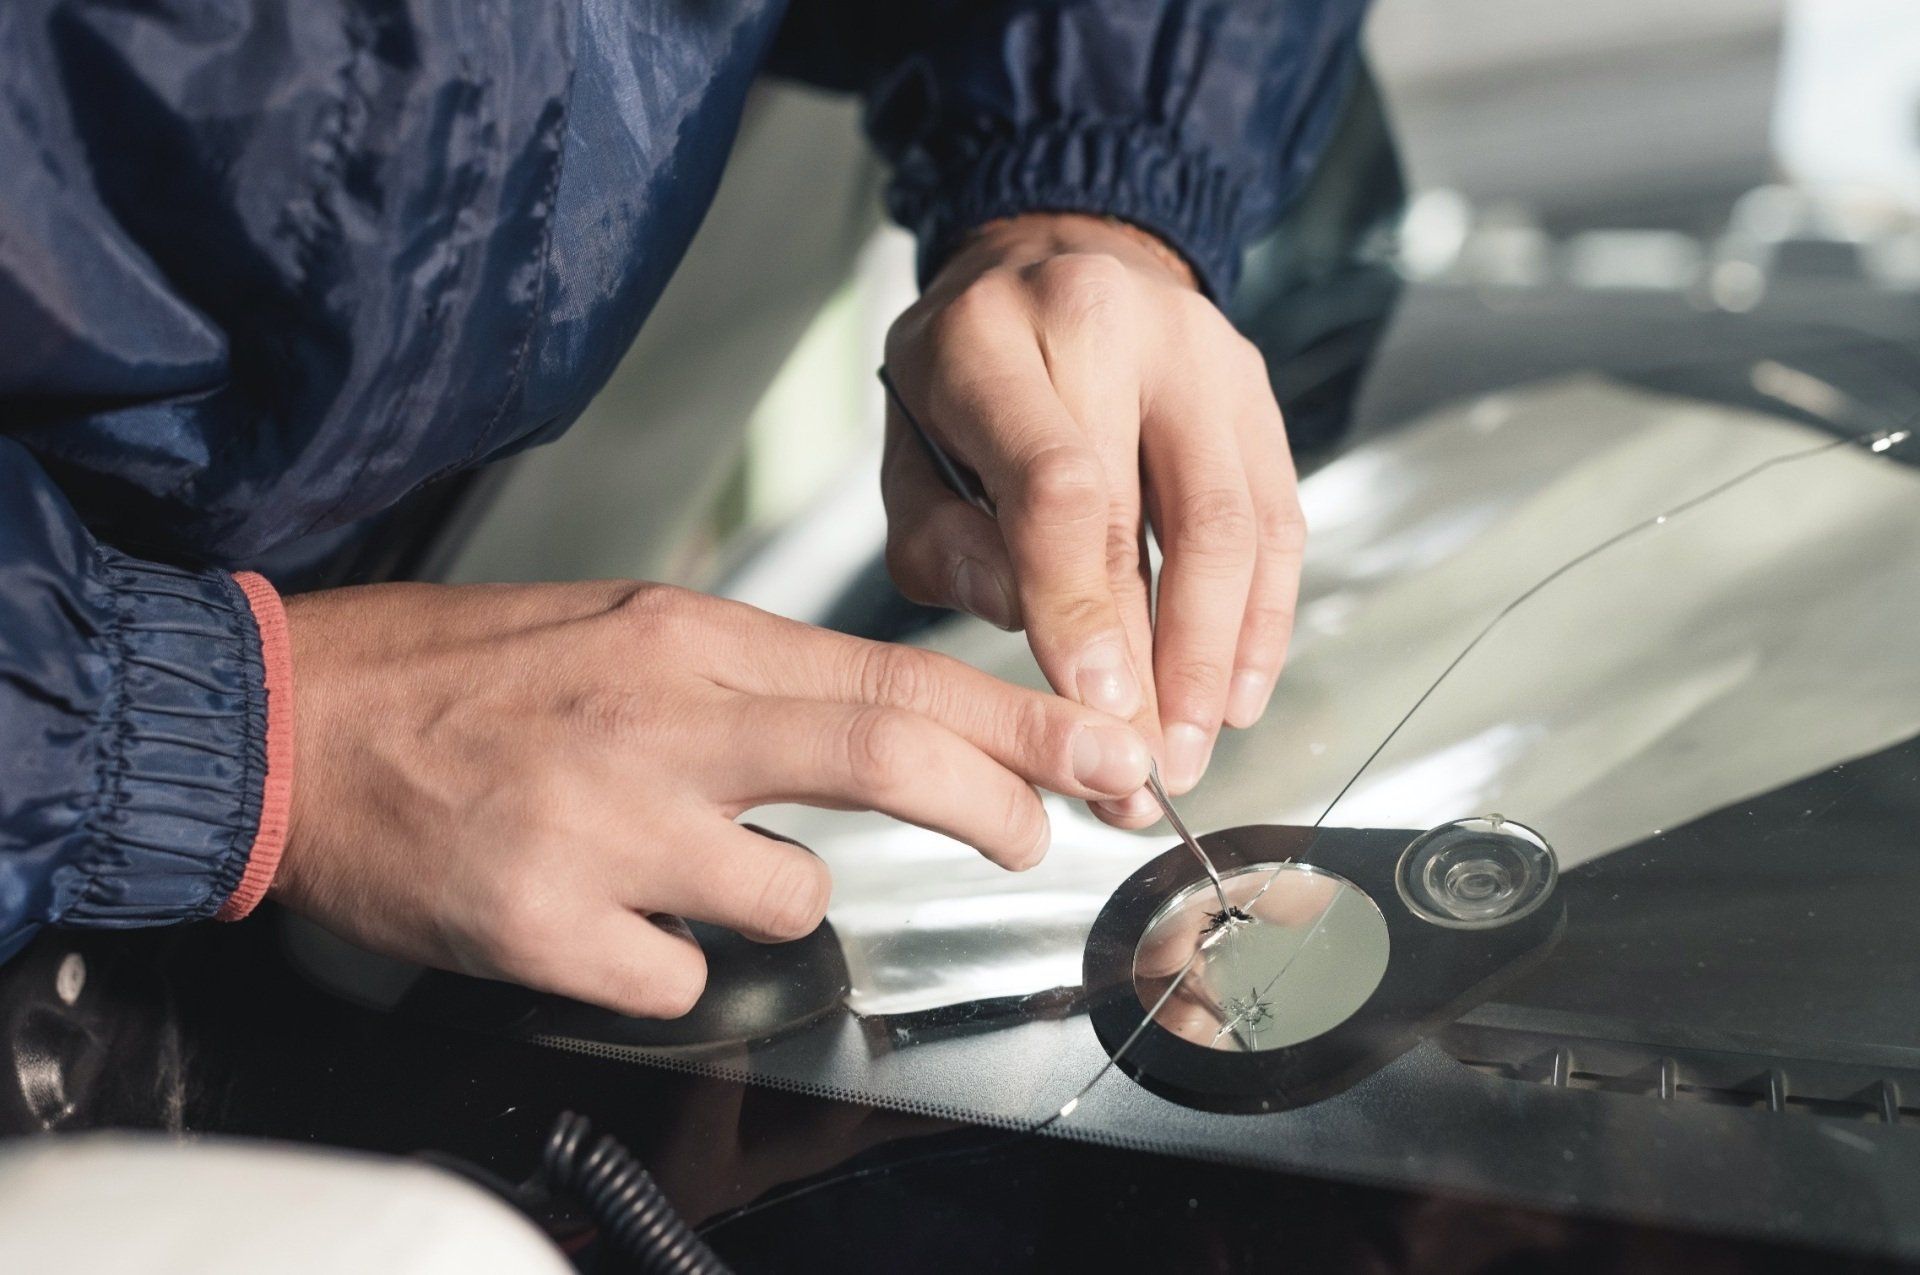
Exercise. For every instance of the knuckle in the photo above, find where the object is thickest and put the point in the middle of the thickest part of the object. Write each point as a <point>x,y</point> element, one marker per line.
<point>1217,521</point>
<point>1267,628</point>
<point>1082,287</point>
<point>1283,529</point>
<point>653,603</point>
<point>1123,552</point>
<point>1040,731</point>
<point>1064,483</point>
<point>661,614</point>
<point>877,742</point>
<point>1080,614</point>
<point>895,675</point>
<point>1199,681</point>
<point>980,307</point>
<point>793,899</point>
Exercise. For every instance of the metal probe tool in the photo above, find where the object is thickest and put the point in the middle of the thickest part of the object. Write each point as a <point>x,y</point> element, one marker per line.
<point>964,484</point>
<point>1159,791</point>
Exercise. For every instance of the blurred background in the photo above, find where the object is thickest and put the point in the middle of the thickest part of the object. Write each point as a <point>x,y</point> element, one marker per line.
<point>1686,169</point>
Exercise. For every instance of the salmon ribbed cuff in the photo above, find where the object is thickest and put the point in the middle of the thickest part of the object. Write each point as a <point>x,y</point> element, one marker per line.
<point>276,797</point>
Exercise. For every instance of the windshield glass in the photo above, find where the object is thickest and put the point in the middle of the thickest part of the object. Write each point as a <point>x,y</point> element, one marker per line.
<point>1573,862</point>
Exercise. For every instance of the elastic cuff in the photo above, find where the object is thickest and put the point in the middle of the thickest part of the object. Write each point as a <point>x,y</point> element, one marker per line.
<point>1137,174</point>
<point>276,794</point>
<point>183,748</point>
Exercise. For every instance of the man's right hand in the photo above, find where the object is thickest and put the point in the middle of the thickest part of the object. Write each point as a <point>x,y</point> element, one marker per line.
<point>537,782</point>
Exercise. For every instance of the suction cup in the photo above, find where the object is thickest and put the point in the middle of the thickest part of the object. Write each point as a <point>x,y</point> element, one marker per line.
<point>1475,873</point>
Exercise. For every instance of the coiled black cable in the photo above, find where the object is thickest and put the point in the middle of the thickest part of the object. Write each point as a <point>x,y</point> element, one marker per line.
<point>624,1201</point>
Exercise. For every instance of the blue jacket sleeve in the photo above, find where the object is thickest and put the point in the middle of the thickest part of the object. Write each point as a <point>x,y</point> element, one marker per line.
<point>1196,119</point>
<point>132,725</point>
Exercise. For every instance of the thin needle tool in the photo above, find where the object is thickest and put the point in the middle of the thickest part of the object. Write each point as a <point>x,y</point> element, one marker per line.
<point>958,479</point>
<point>1159,790</point>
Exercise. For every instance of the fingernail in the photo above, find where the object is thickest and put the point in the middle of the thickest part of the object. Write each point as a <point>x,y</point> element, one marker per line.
<point>1105,680</point>
<point>1136,805</point>
<point>1109,759</point>
<point>979,591</point>
<point>1247,698</point>
<point>1188,750</point>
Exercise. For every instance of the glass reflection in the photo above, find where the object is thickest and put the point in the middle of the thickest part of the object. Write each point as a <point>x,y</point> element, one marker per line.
<point>1308,953</point>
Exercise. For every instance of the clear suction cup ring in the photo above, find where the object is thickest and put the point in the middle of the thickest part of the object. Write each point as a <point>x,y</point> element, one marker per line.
<point>1476,873</point>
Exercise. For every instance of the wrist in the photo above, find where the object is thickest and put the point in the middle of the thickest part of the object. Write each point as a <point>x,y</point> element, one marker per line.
<point>1035,236</point>
<point>321,650</point>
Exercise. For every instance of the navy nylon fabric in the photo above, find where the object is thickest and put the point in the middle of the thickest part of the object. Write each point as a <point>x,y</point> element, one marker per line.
<point>267,268</point>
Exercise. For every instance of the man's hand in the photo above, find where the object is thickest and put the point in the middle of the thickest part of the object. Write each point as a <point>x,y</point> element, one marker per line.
<point>1071,363</point>
<point>535,782</point>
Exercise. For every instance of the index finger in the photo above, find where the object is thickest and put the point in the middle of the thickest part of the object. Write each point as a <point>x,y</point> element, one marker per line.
<point>1045,739</point>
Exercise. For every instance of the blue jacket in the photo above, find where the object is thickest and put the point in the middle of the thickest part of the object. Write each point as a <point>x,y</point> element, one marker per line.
<point>268,266</point>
